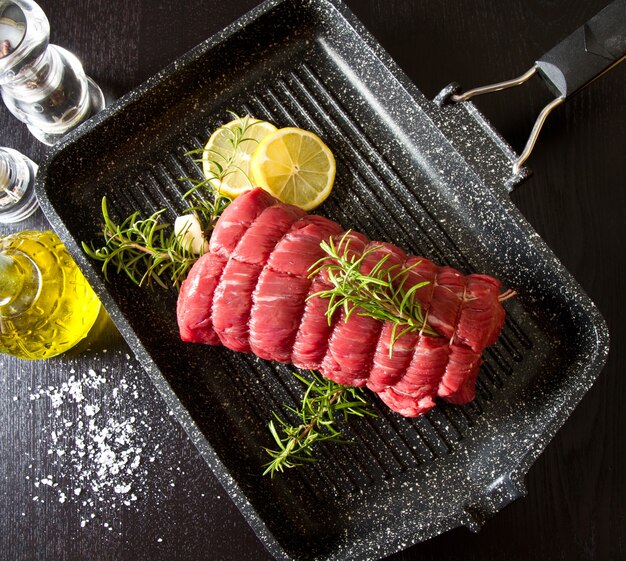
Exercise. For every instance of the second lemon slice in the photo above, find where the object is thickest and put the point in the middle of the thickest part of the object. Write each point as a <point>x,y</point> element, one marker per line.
<point>226,156</point>
<point>295,166</point>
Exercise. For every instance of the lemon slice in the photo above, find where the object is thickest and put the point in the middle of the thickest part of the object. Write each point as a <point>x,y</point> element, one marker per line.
<point>295,166</point>
<point>226,156</point>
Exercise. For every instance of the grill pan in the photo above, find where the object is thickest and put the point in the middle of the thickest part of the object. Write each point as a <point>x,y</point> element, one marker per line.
<point>431,177</point>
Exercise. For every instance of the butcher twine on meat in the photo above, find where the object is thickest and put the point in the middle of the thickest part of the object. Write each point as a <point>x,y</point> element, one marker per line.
<point>251,292</point>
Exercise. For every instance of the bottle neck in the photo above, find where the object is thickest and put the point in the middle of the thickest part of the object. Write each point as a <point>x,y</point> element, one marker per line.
<point>10,280</point>
<point>20,282</point>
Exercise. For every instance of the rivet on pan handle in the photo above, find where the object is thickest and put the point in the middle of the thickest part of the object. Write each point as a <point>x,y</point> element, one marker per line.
<point>586,54</point>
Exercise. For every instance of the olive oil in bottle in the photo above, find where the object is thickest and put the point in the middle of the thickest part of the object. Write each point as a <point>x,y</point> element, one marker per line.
<point>46,305</point>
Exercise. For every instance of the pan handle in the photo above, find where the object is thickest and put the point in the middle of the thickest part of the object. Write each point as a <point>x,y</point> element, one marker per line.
<point>586,54</point>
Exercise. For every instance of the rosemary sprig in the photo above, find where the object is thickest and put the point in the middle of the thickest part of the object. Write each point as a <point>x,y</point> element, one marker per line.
<point>322,403</point>
<point>144,249</point>
<point>380,294</point>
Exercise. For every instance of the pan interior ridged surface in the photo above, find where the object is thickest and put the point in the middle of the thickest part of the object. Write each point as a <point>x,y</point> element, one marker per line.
<point>429,179</point>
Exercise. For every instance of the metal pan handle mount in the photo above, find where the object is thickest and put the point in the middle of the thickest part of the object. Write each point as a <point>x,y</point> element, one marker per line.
<point>578,60</point>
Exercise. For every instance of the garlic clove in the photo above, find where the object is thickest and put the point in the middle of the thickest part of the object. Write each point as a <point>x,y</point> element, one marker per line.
<point>189,231</point>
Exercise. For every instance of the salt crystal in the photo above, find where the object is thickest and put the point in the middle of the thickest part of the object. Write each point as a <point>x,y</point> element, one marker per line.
<point>56,398</point>
<point>76,389</point>
<point>123,489</point>
<point>91,410</point>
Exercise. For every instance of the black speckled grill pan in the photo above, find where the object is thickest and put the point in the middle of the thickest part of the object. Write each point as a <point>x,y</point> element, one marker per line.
<point>432,180</point>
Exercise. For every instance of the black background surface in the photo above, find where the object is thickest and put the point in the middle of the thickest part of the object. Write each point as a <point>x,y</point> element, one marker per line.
<point>576,503</point>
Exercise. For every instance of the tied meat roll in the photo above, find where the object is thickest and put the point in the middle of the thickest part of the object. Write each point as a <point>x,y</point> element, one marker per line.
<point>252,292</point>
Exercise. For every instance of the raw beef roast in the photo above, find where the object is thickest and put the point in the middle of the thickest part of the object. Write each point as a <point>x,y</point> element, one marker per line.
<point>251,293</point>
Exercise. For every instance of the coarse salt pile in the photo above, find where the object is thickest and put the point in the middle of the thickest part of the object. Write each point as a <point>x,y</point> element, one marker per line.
<point>95,447</point>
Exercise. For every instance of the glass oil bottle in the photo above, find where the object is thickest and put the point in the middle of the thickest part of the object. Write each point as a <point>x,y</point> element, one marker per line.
<point>46,305</point>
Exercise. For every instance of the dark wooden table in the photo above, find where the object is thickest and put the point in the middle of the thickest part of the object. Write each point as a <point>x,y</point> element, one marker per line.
<point>93,465</point>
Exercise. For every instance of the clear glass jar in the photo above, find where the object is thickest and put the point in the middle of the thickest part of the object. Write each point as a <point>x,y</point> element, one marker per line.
<point>42,85</point>
<point>17,181</point>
